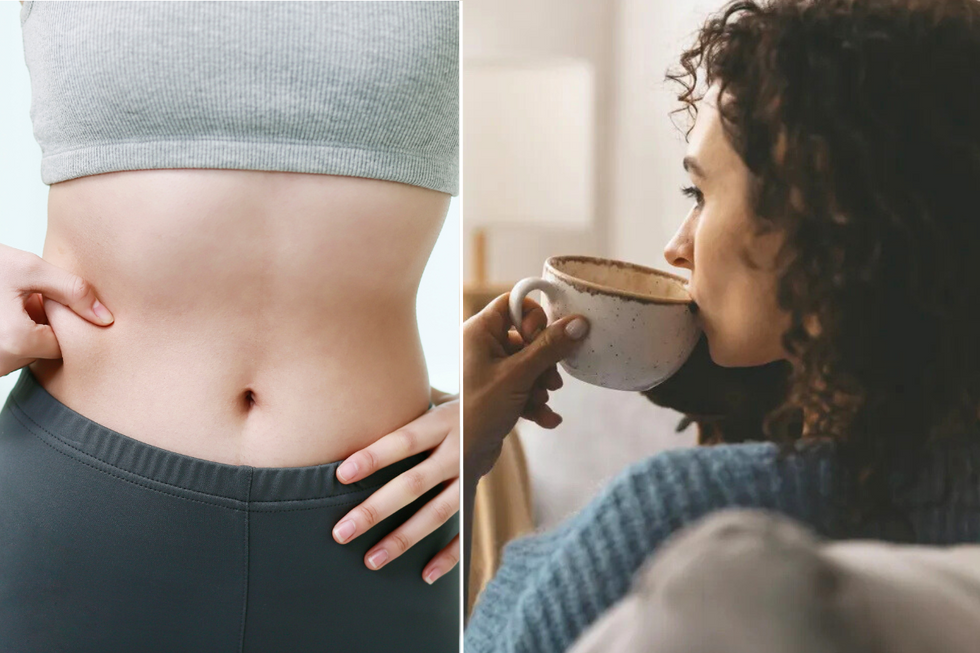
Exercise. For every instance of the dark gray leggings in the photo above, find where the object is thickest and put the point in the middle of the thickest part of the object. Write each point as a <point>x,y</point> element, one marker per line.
<point>110,544</point>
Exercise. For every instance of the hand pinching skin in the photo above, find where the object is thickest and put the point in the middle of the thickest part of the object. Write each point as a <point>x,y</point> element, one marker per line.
<point>26,280</point>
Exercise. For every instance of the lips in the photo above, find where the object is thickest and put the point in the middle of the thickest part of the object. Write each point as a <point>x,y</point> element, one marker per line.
<point>696,311</point>
<point>695,308</point>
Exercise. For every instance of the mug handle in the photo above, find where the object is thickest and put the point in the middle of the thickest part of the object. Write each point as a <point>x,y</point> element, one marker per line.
<point>521,290</point>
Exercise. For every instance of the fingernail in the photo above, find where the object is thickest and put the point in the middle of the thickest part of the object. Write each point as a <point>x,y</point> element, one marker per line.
<point>537,332</point>
<point>432,576</point>
<point>344,530</point>
<point>376,558</point>
<point>347,471</point>
<point>577,328</point>
<point>101,312</point>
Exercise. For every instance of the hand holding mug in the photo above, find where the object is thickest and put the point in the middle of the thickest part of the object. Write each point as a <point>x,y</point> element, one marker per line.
<point>643,325</point>
<point>507,374</point>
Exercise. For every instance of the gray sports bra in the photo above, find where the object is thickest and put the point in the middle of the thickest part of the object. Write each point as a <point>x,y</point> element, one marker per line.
<point>366,89</point>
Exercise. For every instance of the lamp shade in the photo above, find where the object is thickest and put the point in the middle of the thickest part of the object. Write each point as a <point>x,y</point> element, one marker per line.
<point>528,142</point>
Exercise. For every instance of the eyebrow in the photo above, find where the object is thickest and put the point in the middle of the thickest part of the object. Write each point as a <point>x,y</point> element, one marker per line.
<point>691,165</point>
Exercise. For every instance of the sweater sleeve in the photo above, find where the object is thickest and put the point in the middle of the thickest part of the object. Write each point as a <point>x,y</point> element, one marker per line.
<point>550,586</point>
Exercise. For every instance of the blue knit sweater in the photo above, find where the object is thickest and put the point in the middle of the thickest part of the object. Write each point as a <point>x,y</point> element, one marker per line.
<point>552,585</point>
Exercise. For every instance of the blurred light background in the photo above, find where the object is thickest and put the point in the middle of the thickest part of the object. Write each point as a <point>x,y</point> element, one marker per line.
<point>631,151</point>
<point>23,214</point>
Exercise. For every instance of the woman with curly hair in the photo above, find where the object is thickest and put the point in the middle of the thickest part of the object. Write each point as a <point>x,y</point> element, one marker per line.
<point>833,156</point>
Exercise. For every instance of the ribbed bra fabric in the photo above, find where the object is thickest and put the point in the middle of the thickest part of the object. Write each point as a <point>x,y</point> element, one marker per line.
<point>365,89</point>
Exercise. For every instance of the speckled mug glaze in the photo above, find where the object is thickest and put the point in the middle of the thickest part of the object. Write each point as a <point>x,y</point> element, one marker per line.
<point>641,324</point>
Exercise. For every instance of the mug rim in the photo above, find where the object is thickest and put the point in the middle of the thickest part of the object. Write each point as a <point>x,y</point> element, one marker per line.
<point>576,281</point>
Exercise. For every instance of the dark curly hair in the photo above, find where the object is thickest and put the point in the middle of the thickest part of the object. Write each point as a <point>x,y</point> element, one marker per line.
<point>859,121</point>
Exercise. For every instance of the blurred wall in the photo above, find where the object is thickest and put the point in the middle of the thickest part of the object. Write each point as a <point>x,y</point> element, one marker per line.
<point>546,28</point>
<point>630,43</point>
<point>647,207</point>
<point>23,197</point>
<point>638,207</point>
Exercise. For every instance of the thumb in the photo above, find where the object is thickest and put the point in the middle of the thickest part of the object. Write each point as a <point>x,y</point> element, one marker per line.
<point>69,289</point>
<point>556,342</point>
<point>41,342</point>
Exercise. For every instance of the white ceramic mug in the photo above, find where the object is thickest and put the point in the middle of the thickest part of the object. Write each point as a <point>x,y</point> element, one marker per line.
<point>641,323</point>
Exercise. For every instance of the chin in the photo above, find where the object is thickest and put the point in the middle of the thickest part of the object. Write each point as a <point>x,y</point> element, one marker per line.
<point>727,356</point>
<point>720,356</point>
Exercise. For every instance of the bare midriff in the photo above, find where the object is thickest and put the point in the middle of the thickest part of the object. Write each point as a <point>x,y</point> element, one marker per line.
<point>261,318</point>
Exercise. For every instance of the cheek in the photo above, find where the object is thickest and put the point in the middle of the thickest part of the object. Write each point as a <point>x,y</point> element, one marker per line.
<point>745,335</point>
<point>715,266</point>
<point>738,312</point>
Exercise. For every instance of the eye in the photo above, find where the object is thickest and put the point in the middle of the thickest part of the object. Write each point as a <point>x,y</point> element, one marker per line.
<point>693,192</point>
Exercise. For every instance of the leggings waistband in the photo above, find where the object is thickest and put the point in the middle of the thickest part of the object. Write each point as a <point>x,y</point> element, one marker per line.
<point>236,486</point>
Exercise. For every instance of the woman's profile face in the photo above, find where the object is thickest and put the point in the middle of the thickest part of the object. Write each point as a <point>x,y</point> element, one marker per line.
<point>737,302</point>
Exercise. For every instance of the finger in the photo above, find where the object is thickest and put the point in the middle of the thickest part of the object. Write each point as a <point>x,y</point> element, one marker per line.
<point>533,322</point>
<point>35,308</point>
<point>433,514</point>
<point>65,288</point>
<point>538,396</point>
<point>515,342</point>
<point>25,339</point>
<point>555,343</point>
<point>531,410</point>
<point>551,379</point>
<point>443,562</point>
<point>495,316</point>
<point>494,319</point>
<point>422,434</point>
<point>546,418</point>
<point>40,342</point>
<point>392,497</point>
<point>543,416</point>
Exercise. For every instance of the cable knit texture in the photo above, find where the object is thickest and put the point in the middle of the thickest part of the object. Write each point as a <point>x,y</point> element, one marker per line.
<point>366,89</point>
<point>552,585</point>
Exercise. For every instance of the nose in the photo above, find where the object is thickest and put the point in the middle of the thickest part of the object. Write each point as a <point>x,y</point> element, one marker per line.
<point>679,252</point>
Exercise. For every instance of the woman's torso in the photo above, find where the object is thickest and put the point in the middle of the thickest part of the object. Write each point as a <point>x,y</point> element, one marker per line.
<point>261,318</point>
